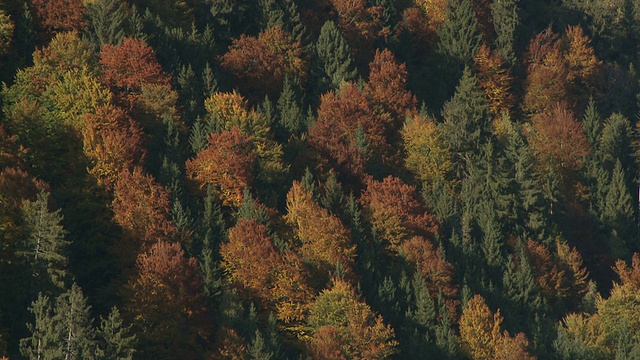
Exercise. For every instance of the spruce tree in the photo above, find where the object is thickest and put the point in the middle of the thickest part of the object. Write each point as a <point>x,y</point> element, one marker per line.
<point>459,36</point>
<point>74,326</point>
<point>107,20</point>
<point>618,214</point>
<point>506,19</point>
<point>335,62</point>
<point>62,330</point>
<point>592,123</point>
<point>291,120</point>
<point>257,349</point>
<point>44,338</point>
<point>116,340</point>
<point>272,14</point>
<point>45,246</point>
<point>466,124</point>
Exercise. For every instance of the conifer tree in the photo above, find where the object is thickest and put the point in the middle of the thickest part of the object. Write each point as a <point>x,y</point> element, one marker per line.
<point>334,57</point>
<point>45,246</point>
<point>62,330</point>
<point>291,119</point>
<point>506,19</point>
<point>107,20</point>
<point>459,36</point>
<point>592,123</point>
<point>466,124</point>
<point>618,213</point>
<point>116,341</point>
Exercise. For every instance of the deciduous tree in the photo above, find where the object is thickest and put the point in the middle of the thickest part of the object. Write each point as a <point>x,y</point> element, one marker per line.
<point>343,326</point>
<point>226,164</point>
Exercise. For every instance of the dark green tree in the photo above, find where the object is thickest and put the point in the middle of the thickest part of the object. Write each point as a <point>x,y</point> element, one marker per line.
<point>618,214</point>
<point>466,121</point>
<point>107,19</point>
<point>592,123</point>
<point>334,60</point>
<point>60,331</point>
<point>459,35</point>
<point>45,246</point>
<point>506,19</point>
<point>291,120</point>
<point>116,340</point>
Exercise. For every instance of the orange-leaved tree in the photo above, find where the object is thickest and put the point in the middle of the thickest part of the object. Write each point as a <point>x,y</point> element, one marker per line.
<point>261,64</point>
<point>128,66</point>
<point>495,80</point>
<point>393,209</point>
<point>141,207</point>
<point>225,165</point>
<point>348,131</point>
<point>112,142</point>
<point>387,87</point>
<point>166,304</point>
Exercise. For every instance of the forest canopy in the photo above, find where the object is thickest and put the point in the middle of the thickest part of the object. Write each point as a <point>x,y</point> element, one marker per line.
<point>321,179</point>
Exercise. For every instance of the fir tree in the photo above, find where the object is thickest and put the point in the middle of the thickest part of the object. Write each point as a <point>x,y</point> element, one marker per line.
<point>505,21</point>
<point>116,340</point>
<point>257,349</point>
<point>334,57</point>
<point>107,20</point>
<point>45,246</point>
<point>466,124</point>
<point>592,123</point>
<point>290,117</point>
<point>60,331</point>
<point>74,325</point>
<point>459,36</point>
<point>272,14</point>
<point>618,213</point>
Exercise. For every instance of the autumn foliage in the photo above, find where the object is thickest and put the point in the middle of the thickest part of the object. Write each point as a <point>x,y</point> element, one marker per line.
<point>59,15</point>
<point>324,239</point>
<point>482,337</point>
<point>225,165</point>
<point>394,211</point>
<point>346,328</point>
<point>113,143</point>
<point>342,117</point>
<point>141,207</point>
<point>128,66</point>
<point>165,301</point>
<point>558,140</point>
<point>387,86</point>
<point>261,64</point>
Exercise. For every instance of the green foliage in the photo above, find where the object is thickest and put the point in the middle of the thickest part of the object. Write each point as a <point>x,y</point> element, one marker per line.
<point>335,62</point>
<point>61,330</point>
<point>45,246</point>
<point>506,20</point>
<point>107,19</point>
<point>459,36</point>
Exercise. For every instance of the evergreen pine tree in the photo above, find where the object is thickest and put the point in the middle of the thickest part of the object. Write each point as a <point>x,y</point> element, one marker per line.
<point>116,340</point>
<point>290,117</point>
<point>45,246</point>
<point>466,124</point>
<point>333,196</point>
<point>335,62</point>
<point>523,295</point>
<point>459,36</point>
<point>257,349</point>
<point>592,123</point>
<point>618,214</point>
<point>74,326</point>
<point>506,19</point>
<point>107,20</point>
<point>44,338</point>
<point>272,14</point>
<point>60,331</point>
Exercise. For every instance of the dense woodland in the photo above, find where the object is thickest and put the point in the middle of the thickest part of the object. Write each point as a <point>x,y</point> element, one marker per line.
<point>319,179</point>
